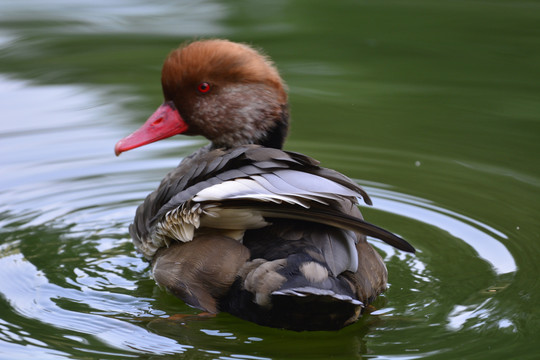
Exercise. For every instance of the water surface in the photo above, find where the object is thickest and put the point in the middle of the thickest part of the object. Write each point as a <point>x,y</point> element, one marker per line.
<point>432,106</point>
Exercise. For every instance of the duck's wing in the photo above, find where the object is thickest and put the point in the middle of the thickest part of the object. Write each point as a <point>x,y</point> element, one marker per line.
<point>244,188</point>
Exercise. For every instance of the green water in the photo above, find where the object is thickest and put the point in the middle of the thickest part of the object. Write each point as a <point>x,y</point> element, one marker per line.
<point>433,106</point>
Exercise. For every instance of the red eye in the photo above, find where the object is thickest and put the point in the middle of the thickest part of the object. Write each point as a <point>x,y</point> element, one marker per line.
<point>204,87</point>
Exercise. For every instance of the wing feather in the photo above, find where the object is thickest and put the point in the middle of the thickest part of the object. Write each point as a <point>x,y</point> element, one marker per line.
<point>270,182</point>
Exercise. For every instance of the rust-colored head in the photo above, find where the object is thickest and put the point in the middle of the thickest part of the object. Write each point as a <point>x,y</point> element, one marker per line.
<point>225,91</point>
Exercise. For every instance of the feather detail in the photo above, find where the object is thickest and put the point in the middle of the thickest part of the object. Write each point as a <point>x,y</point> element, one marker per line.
<point>243,188</point>
<point>310,291</point>
<point>332,218</point>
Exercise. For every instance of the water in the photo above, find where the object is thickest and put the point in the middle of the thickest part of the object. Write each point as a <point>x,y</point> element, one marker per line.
<point>432,106</point>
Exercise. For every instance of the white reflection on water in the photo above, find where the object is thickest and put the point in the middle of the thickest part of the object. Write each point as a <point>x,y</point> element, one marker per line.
<point>482,238</point>
<point>30,294</point>
<point>188,18</point>
<point>477,315</point>
<point>48,130</point>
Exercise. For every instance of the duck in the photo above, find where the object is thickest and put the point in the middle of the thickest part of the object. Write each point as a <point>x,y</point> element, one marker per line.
<point>241,225</point>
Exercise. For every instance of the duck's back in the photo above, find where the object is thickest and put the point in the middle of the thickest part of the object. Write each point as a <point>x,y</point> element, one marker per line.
<point>264,234</point>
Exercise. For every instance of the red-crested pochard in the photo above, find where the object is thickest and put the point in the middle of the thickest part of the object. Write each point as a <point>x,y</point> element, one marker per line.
<point>242,226</point>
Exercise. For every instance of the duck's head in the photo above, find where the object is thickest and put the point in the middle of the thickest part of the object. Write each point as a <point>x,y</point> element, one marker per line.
<point>227,92</point>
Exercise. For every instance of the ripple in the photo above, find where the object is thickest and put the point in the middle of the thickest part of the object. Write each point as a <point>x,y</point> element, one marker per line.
<point>31,295</point>
<point>484,239</point>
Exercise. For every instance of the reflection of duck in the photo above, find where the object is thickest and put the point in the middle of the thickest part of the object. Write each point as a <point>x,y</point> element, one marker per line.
<point>242,226</point>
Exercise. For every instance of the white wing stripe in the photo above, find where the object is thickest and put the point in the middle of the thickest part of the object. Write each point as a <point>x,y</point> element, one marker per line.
<point>310,182</point>
<point>293,187</point>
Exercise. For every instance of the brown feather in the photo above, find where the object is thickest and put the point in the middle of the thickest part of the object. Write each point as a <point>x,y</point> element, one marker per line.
<point>201,271</point>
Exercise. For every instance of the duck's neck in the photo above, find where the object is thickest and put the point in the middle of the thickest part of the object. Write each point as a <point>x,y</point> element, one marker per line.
<point>274,137</point>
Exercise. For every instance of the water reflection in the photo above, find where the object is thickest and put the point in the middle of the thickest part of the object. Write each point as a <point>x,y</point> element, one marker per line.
<point>30,294</point>
<point>193,18</point>
<point>478,316</point>
<point>485,240</point>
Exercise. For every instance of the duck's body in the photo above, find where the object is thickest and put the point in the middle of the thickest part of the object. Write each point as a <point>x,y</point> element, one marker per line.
<point>242,226</point>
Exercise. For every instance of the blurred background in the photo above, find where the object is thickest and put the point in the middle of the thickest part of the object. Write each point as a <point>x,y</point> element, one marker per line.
<point>433,106</point>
